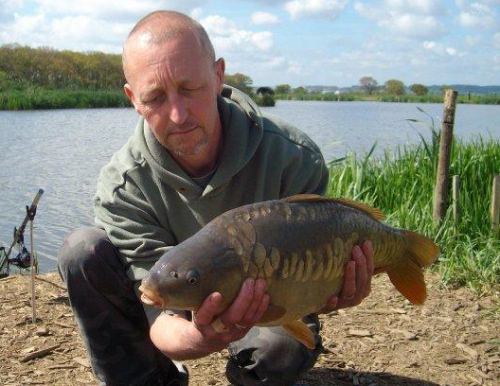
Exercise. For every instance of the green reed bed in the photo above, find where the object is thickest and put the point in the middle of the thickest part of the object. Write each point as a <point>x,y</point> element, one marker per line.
<point>38,98</point>
<point>401,184</point>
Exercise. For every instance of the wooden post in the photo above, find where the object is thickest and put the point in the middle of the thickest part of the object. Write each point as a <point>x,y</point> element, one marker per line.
<point>495,203</point>
<point>455,191</point>
<point>442,183</point>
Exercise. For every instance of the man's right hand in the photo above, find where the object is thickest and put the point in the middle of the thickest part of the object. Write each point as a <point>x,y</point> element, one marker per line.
<point>213,327</point>
<point>220,327</point>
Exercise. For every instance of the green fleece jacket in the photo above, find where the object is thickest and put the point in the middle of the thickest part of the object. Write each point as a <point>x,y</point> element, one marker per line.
<point>146,203</point>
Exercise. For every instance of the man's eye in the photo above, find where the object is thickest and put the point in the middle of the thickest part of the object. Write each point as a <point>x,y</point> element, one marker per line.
<point>155,99</point>
<point>190,89</point>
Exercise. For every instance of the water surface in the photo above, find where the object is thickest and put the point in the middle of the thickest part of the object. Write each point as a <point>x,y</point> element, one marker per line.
<point>62,152</point>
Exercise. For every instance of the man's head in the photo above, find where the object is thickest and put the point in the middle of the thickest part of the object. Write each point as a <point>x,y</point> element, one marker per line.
<point>173,81</point>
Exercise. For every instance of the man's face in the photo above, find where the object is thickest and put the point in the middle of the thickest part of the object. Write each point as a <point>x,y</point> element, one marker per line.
<point>174,86</point>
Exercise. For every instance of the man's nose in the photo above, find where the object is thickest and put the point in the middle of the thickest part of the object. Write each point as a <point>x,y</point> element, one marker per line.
<point>178,109</point>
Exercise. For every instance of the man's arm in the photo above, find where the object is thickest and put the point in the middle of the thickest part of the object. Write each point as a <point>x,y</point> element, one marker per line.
<point>180,339</point>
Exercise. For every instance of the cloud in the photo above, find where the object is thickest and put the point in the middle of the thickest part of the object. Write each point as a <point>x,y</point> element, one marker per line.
<point>259,18</point>
<point>496,40</point>
<point>422,7</point>
<point>77,33</point>
<point>228,37</point>
<point>472,41</point>
<point>8,9</point>
<point>117,10</point>
<point>440,49</point>
<point>280,63</point>
<point>77,25</point>
<point>315,8</point>
<point>262,40</point>
<point>476,15</point>
<point>410,19</point>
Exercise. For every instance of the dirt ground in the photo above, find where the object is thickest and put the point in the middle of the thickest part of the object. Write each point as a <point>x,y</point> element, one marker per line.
<point>453,339</point>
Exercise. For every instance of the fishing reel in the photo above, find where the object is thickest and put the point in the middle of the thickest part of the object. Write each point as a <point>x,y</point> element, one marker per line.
<point>22,260</point>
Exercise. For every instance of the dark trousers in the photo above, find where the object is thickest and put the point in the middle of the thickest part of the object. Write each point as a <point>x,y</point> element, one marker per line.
<point>115,329</point>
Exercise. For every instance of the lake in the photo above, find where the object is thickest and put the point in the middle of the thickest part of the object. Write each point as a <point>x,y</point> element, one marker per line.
<point>62,152</point>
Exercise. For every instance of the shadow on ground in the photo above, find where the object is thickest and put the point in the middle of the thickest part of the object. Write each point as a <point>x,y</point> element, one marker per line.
<point>341,377</point>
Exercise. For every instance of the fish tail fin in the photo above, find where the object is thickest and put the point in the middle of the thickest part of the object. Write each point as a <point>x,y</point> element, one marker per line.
<point>407,275</point>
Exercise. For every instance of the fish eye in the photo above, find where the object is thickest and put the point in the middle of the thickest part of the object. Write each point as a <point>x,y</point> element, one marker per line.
<point>192,276</point>
<point>174,274</point>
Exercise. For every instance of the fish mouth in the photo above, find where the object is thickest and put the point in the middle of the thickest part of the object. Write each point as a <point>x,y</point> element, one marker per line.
<point>151,298</point>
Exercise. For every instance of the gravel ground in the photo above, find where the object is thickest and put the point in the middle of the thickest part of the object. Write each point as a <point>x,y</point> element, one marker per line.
<point>453,339</point>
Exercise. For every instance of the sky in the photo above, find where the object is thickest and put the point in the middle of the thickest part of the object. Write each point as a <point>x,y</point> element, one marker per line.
<point>295,42</point>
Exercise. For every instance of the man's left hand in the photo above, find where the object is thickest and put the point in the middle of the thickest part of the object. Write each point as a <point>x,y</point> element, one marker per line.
<point>357,279</point>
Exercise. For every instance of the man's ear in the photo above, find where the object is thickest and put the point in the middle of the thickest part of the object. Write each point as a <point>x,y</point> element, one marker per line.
<point>130,95</point>
<point>220,68</point>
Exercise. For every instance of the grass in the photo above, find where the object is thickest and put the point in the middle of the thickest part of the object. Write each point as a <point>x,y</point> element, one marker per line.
<point>401,184</point>
<point>39,98</point>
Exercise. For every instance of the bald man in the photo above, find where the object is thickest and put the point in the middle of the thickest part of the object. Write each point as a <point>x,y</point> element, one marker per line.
<point>200,148</point>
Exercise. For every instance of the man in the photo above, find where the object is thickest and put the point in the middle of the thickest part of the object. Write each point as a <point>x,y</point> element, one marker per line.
<point>200,149</point>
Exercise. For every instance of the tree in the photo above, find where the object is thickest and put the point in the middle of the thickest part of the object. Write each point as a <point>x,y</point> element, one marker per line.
<point>283,89</point>
<point>265,91</point>
<point>368,84</point>
<point>240,81</point>
<point>419,89</point>
<point>300,90</point>
<point>395,87</point>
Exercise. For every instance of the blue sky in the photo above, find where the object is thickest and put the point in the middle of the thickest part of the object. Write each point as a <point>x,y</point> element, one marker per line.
<point>299,42</point>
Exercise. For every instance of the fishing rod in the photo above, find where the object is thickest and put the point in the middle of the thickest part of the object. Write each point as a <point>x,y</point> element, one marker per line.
<point>23,259</point>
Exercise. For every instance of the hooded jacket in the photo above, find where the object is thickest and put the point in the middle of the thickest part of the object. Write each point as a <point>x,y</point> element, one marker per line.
<point>147,203</point>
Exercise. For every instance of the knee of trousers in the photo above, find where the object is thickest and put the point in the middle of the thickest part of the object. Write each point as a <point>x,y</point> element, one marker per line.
<point>270,356</point>
<point>82,250</point>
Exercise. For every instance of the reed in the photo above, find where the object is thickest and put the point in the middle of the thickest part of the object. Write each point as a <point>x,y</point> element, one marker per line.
<point>401,184</point>
<point>39,98</point>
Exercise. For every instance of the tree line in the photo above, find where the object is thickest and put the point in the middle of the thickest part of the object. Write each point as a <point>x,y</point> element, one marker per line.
<point>22,67</point>
<point>48,78</point>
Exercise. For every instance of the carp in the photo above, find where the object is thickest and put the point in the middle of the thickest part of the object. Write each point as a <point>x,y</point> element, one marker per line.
<point>299,245</point>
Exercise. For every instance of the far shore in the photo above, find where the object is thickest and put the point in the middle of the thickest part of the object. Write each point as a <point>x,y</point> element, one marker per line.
<point>42,99</point>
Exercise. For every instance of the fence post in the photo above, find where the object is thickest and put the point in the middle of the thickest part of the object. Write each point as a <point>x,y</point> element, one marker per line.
<point>495,203</point>
<point>446,139</point>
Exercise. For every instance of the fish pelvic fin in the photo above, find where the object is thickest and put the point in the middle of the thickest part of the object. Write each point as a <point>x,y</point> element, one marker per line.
<point>374,213</point>
<point>299,330</point>
<point>407,275</point>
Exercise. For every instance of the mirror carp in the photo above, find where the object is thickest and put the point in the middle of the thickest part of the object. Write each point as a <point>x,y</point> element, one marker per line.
<point>299,245</point>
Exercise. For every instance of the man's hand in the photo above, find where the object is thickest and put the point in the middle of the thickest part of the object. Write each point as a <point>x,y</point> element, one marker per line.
<point>357,279</point>
<point>220,327</point>
<point>181,339</point>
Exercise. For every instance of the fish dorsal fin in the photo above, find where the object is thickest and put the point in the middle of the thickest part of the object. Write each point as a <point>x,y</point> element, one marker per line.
<point>299,330</point>
<point>369,210</point>
<point>375,213</point>
<point>306,198</point>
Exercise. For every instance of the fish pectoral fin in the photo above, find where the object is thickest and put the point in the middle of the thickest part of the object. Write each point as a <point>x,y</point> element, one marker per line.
<point>301,332</point>
<point>272,313</point>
